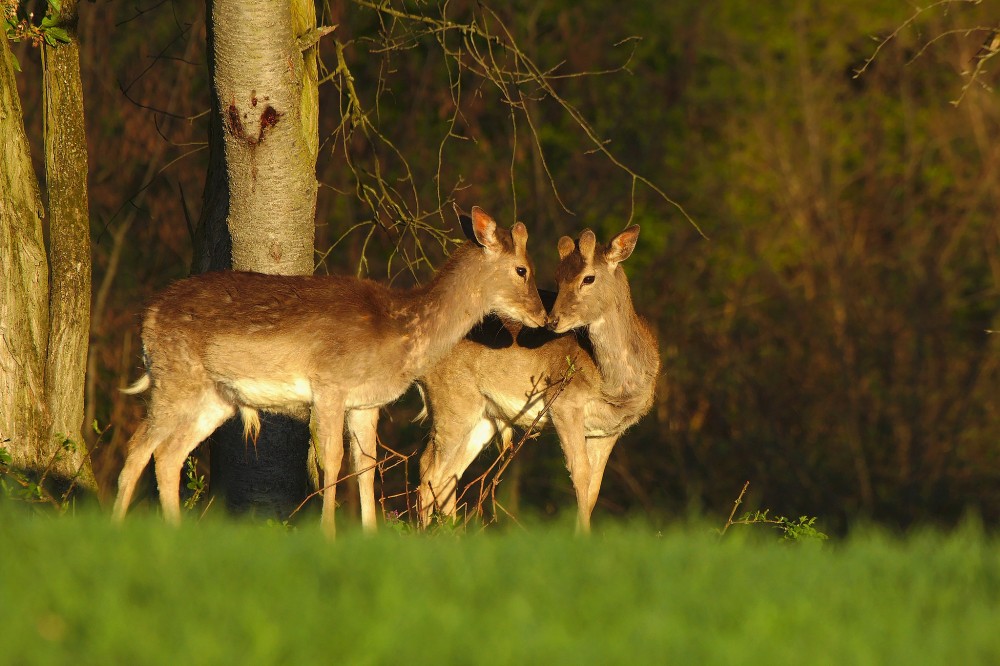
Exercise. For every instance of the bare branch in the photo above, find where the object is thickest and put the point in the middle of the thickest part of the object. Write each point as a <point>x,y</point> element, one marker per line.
<point>486,49</point>
<point>920,11</point>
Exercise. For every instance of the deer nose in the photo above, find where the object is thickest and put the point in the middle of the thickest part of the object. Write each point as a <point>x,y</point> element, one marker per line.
<point>552,323</point>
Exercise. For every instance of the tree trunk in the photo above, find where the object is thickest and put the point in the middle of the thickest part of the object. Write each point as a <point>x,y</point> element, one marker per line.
<point>69,252</point>
<point>259,208</point>
<point>272,174</point>
<point>24,315</point>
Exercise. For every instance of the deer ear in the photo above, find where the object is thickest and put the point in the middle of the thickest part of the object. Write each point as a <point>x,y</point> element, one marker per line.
<point>566,247</point>
<point>588,241</point>
<point>621,246</point>
<point>465,221</point>
<point>484,229</point>
<point>520,234</point>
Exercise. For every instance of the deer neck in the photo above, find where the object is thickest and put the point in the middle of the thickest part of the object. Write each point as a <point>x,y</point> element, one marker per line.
<point>624,349</point>
<point>438,315</point>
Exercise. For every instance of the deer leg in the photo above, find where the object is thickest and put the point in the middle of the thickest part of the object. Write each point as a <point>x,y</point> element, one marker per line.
<point>140,449</point>
<point>477,439</point>
<point>361,428</point>
<point>453,448</point>
<point>168,480</point>
<point>598,451</point>
<point>452,420</point>
<point>427,492</point>
<point>574,445</point>
<point>330,433</point>
<point>171,455</point>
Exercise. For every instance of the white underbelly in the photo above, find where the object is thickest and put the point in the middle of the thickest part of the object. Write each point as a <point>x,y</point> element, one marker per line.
<point>519,410</point>
<point>270,393</point>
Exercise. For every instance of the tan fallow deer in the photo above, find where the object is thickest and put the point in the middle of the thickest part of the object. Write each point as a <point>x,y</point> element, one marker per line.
<point>334,347</point>
<point>503,374</point>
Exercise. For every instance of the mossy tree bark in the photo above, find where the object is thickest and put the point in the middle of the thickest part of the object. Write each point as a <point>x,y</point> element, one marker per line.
<point>69,250</point>
<point>259,208</point>
<point>24,310</point>
<point>45,320</point>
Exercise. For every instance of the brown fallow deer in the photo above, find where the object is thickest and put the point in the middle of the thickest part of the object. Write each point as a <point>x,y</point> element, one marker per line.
<point>502,375</point>
<point>336,347</point>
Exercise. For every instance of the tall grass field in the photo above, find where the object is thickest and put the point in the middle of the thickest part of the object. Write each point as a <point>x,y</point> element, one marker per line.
<point>77,589</point>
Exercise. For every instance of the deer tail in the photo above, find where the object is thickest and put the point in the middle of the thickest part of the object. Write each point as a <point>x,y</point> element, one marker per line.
<point>144,382</point>
<point>140,385</point>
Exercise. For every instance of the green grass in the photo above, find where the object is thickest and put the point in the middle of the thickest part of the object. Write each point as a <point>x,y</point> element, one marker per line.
<point>80,590</point>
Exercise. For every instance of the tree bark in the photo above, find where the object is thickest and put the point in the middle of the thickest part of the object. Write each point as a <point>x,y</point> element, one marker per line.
<point>69,252</point>
<point>24,315</point>
<point>258,210</point>
<point>272,175</point>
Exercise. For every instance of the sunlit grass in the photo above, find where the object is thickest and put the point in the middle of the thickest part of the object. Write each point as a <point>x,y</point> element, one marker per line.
<point>77,589</point>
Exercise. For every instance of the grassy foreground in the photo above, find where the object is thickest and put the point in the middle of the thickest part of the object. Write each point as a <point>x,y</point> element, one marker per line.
<point>80,590</point>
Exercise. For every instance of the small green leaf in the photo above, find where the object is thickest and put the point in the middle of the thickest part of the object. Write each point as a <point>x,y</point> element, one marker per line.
<point>59,34</point>
<point>56,5</point>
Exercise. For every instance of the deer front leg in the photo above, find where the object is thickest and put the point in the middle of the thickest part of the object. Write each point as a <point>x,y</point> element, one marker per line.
<point>361,428</point>
<point>330,433</point>
<point>574,445</point>
<point>598,451</point>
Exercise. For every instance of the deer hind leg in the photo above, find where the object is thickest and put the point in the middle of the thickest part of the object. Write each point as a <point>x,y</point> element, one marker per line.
<point>477,440</point>
<point>361,428</point>
<point>456,413</point>
<point>452,451</point>
<point>140,450</point>
<point>206,415</point>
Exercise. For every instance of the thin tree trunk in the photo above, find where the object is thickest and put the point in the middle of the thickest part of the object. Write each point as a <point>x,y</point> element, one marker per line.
<point>24,315</point>
<point>259,209</point>
<point>69,252</point>
<point>272,174</point>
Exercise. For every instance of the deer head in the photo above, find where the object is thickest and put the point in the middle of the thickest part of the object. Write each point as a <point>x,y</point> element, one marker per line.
<point>511,277</point>
<point>591,283</point>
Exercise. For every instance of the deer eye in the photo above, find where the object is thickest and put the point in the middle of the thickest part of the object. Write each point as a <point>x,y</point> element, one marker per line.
<point>521,270</point>
<point>588,279</point>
